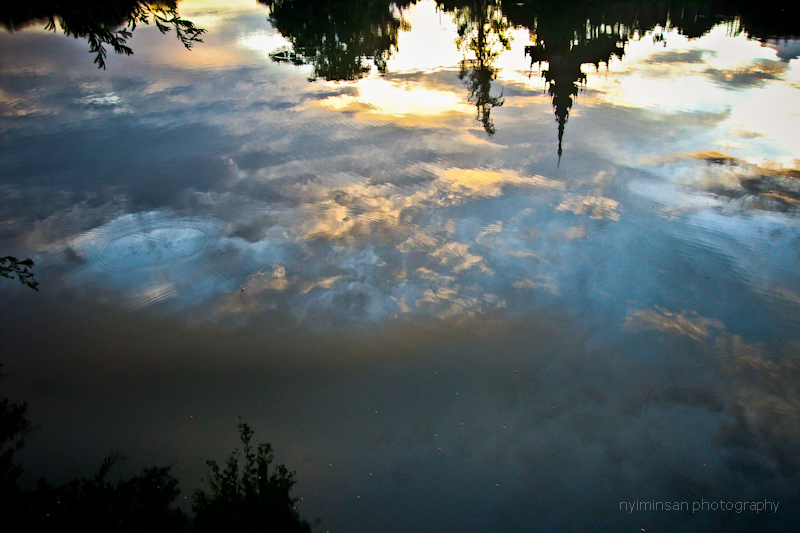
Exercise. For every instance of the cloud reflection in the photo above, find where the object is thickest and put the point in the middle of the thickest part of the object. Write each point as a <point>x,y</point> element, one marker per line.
<point>379,194</point>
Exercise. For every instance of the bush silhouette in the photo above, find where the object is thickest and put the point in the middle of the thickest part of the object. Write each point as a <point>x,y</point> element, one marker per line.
<point>143,503</point>
<point>252,498</point>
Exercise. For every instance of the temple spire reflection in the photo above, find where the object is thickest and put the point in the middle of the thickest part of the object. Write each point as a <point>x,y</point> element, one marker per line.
<point>568,35</point>
<point>565,53</point>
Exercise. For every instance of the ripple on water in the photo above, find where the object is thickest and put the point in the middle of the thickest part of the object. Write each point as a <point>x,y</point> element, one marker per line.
<point>154,258</point>
<point>151,244</point>
<point>651,429</point>
<point>721,381</point>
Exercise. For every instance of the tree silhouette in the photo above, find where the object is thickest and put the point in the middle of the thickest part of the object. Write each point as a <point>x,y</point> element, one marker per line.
<point>140,504</point>
<point>13,427</point>
<point>255,498</point>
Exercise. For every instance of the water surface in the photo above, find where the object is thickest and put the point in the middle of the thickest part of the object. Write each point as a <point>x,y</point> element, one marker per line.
<point>469,266</point>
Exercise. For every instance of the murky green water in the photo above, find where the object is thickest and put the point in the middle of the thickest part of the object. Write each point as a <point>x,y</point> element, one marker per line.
<point>468,266</point>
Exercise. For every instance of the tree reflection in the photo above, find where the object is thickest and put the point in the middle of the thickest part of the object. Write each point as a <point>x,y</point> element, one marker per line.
<point>101,22</point>
<point>340,39</point>
<point>11,267</point>
<point>482,31</point>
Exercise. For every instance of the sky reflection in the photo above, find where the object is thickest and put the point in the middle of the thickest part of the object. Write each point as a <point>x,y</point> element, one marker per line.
<point>383,192</point>
<point>595,274</point>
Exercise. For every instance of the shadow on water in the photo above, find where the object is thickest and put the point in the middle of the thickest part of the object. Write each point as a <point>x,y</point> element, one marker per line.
<point>102,23</point>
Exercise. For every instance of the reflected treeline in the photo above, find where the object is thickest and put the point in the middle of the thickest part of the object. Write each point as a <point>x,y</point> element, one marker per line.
<point>247,493</point>
<point>771,19</point>
<point>340,39</point>
<point>101,22</point>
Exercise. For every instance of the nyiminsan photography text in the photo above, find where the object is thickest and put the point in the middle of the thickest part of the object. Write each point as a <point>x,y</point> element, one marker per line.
<point>698,506</point>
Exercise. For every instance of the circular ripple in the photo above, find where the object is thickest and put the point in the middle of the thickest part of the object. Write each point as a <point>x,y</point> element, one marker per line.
<point>155,244</point>
<point>710,382</point>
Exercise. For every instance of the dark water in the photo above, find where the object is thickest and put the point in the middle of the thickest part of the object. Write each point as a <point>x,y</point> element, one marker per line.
<point>468,266</point>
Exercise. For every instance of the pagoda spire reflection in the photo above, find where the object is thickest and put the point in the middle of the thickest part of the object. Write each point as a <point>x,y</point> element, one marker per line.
<point>568,35</point>
<point>565,54</point>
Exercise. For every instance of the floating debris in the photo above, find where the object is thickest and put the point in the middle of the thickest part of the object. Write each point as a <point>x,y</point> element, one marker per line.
<point>287,55</point>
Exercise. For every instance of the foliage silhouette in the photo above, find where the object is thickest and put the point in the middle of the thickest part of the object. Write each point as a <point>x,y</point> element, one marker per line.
<point>253,498</point>
<point>102,22</point>
<point>338,38</point>
<point>11,267</point>
<point>13,427</point>
<point>142,503</point>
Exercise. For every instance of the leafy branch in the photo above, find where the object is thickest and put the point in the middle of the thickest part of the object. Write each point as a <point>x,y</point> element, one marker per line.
<point>11,267</point>
<point>83,24</point>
